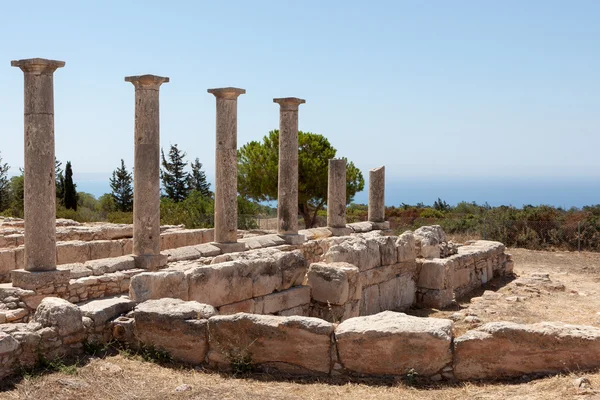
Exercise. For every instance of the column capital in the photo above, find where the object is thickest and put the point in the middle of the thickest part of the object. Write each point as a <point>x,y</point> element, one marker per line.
<point>37,65</point>
<point>289,103</point>
<point>151,82</point>
<point>229,93</point>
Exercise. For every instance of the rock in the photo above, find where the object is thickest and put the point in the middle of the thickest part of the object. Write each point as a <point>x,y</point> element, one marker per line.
<point>428,240</point>
<point>183,388</point>
<point>8,344</point>
<point>73,383</point>
<point>356,251</point>
<point>334,283</point>
<point>163,310</point>
<point>291,344</point>
<point>59,313</point>
<point>110,368</point>
<point>175,326</point>
<point>391,343</point>
<point>582,383</point>
<point>472,319</point>
<point>103,310</point>
<point>157,285</point>
<point>406,247</point>
<point>506,349</point>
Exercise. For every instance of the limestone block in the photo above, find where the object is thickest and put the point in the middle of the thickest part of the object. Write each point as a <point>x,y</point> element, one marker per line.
<point>105,249</point>
<point>357,251</point>
<point>193,236</point>
<point>436,273</point>
<point>246,306</point>
<point>290,344</point>
<point>7,261</point>
<point>428,240</point>
<point>183,253</point>
<point>506,349</point>
<point>369,303</point>
<point>392,343</point>
<point>266,278</point>
<point>293,267</point>
<point>20,257</point>
<point>109,265</point>
<point>287,299</point>
<point>72,252</point>
<point>406,247</point>
<point>208,250</point>
<point>172,240</point>
<point>208,235</point>
<point>104,310</point>
<point>220,284</point>
<point>156,285</point>
<point>334,283</point>
<point>397,294</point>
<point>361,227</point>
<point>387,249</point>
<point>461,277</point>
<point>315,233</point>
<point>127,245</point>
<point>177,327</point>
<point>59,313</point>
<point>435,298</point>
<point>378,275</point>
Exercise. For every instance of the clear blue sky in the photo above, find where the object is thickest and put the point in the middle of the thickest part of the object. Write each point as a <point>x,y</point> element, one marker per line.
<point>428,88</point>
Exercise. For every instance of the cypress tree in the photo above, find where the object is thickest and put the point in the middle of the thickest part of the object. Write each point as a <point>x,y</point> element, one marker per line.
<point>197,180</point>
<point>70,188</point>
<point>4,186</point>
<point>175,179</point>
<point>60,182</point>
<point>122,190</point>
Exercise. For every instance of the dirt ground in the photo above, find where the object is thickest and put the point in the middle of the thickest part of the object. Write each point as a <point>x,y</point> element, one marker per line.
<point>549,286</point>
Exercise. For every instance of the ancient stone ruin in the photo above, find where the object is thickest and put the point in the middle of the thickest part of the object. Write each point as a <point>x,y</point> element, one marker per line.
<point>323,301</point>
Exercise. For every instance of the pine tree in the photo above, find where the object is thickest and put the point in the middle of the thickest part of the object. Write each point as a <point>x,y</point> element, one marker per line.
<point>60,182</point>
<point>4,186</point>
<point>70,188</point>
<point>175,179</point>
<point>122,190</point>
<point>197,179</point>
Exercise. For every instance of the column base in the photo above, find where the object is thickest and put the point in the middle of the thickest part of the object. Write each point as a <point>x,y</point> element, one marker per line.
<point>150,262</point>
<point>230,247</point>
<point>36,280</point>
<point>293,239</point>
<point>339,231</point>
<point>380,226</point>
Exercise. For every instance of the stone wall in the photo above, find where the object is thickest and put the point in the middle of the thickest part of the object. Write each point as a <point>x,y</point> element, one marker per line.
<point>95,242</point>
<point>443,279</point>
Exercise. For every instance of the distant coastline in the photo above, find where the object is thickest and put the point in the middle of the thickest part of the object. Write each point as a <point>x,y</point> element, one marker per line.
<point>559,192</point>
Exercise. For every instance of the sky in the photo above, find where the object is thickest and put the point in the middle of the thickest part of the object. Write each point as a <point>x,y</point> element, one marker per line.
<point>436,91</point>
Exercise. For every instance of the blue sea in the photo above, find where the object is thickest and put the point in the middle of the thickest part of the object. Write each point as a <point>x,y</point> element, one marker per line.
<point>559,192</point>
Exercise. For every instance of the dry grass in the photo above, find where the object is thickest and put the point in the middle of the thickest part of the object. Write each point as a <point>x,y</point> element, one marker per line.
<point>121,377</point>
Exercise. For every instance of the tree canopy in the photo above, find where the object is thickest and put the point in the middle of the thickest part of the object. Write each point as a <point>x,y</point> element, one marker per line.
<point>258,169</point>
<point>175,180</point>
<point>70,189</point>
<point>197,179</point>
<point>122,189</point>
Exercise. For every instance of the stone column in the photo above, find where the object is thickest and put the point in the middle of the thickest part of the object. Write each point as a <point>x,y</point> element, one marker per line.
<point>336,198</point>
<point>287,185</point>
<point>226,218</point>
<point>40,185</point>
<point>146,172</point>
<point>377,198</point>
